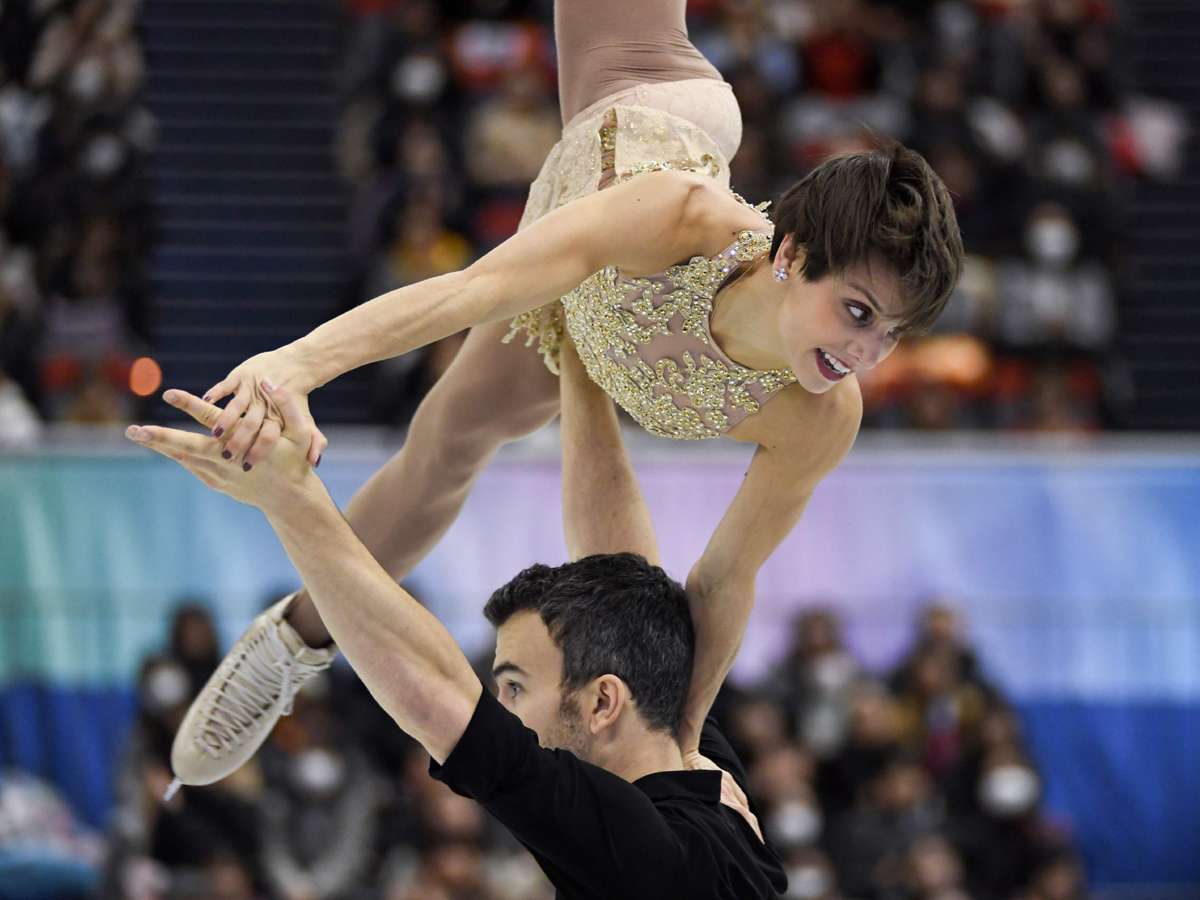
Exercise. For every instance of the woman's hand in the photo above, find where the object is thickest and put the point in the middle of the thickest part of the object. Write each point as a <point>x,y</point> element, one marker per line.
<point>251,422</point>
<point>284,476</point>
<point>731,794</point>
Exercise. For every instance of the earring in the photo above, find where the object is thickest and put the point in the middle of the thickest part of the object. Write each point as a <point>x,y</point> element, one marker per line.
<point>781,274</point>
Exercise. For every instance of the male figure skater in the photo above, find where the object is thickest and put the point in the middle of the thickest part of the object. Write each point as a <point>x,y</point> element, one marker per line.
<point>579,756</point>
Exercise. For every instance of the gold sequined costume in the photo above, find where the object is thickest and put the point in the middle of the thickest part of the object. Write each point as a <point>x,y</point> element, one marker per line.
<point>646,341</point>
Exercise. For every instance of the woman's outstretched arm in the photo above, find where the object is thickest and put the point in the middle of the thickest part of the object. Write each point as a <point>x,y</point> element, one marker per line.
<point>801,438</point>
<point>646,224</point>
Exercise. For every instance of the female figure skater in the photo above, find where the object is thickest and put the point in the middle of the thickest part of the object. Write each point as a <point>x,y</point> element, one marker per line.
<point>684,304</point>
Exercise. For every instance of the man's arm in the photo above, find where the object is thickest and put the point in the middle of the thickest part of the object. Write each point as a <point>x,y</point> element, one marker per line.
<point>405,657</point>
<point>604,510</point>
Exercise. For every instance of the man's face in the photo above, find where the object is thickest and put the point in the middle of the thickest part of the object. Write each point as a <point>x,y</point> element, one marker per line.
<point>528,671</point>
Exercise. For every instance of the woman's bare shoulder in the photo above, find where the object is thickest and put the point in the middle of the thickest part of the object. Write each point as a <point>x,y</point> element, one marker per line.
<point>716,216</point>
<point>711,216</point>
<point>815,430</point>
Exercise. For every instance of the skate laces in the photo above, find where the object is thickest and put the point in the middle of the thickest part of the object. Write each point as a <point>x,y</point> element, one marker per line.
<point>252,684</point>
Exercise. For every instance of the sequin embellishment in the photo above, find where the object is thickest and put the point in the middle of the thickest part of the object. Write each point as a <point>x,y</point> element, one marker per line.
<point>687,394</point>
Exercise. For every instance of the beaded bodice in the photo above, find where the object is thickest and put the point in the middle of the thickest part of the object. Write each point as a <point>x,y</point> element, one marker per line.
<point>648,343</point>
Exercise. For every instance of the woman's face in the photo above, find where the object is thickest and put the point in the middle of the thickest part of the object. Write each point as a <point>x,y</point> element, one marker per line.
<point>838,325</point>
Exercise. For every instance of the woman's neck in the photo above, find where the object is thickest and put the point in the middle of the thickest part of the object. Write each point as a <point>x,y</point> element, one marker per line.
<point>745,319</point>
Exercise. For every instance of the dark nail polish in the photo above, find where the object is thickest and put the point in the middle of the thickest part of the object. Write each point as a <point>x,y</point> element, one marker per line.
<point>225,454</point>
<point>245,467</point>
<point>218,431</point>
<point>208,398</point>
<point>318,461</point>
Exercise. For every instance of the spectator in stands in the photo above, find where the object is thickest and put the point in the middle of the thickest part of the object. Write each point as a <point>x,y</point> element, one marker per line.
<point>932,870</point>
<point>511,132</point>
<point>868,841</point>
<point>1002,835</point>
<point>939,709</point>
<point>194,643</point>
<point>815,681</point>
<point>415,165</point>
<point>45,853</point>
<point>201,832</point>
<point>87,345</point>
<point>757,727</point>
<point>939,627</point>
<point>811,876</point>
<point>19,422</point>
<point>320,814</point>
<point>872,742</point>
<point>782,781</point>
<point>1059,878</point>
<point>422,247</point>
<point>20,425</point>
<point>742,37</point>
<point>1056,295</point>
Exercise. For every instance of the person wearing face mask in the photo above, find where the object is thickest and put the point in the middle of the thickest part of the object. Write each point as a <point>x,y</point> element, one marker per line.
<point>195,827</point>
<point>1003,837</point>
<point>320,814</point>
<point>700,316</point>
<point>811,876</point>
<point>1054,297</point>
<point>815,682</point>
<point>782,781</point>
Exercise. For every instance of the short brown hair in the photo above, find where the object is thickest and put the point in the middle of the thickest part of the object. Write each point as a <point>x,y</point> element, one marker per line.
<point>885,203</point>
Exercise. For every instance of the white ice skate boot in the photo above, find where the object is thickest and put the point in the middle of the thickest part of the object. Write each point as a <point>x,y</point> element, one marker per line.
<point>253,686</point>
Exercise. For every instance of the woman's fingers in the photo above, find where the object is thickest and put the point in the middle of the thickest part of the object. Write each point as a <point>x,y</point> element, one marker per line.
<point>296,422</point>
<point>316,447</point>
<point>735,798</point>
<point>245,433</point>
<point>174,443</point>
<point>204,413</point>
<point>242,400</point>
<point>268,437</point>
<point>219,390</point>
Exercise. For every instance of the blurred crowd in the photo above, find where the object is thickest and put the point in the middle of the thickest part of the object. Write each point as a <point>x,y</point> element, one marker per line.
<point>913,785</point>
<point>75,216</point>
<point>1020,105</point>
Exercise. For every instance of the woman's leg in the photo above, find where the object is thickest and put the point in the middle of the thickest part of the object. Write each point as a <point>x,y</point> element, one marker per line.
<point>492,393</point>
<point>608,47</point>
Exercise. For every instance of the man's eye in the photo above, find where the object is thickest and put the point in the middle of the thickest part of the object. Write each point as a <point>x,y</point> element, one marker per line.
<point>514,688</point>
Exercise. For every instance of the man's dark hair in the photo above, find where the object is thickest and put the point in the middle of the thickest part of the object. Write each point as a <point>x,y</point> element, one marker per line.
<point>612,613</point>
<point>884,204</point>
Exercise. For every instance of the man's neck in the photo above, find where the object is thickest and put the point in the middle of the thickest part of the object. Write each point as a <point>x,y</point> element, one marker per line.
<point>643,755</point>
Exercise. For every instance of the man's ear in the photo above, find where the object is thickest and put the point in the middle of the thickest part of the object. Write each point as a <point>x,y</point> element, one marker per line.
<point>607,698</point>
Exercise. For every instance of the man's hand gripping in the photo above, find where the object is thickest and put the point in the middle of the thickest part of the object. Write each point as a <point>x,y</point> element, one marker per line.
<point>283,474</point>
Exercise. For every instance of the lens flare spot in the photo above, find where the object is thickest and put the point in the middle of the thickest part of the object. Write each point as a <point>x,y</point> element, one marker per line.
<point>144,376</point>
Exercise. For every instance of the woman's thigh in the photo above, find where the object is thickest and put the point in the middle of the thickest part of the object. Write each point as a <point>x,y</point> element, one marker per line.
<point>605,48</point>
<point>491,394</point>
